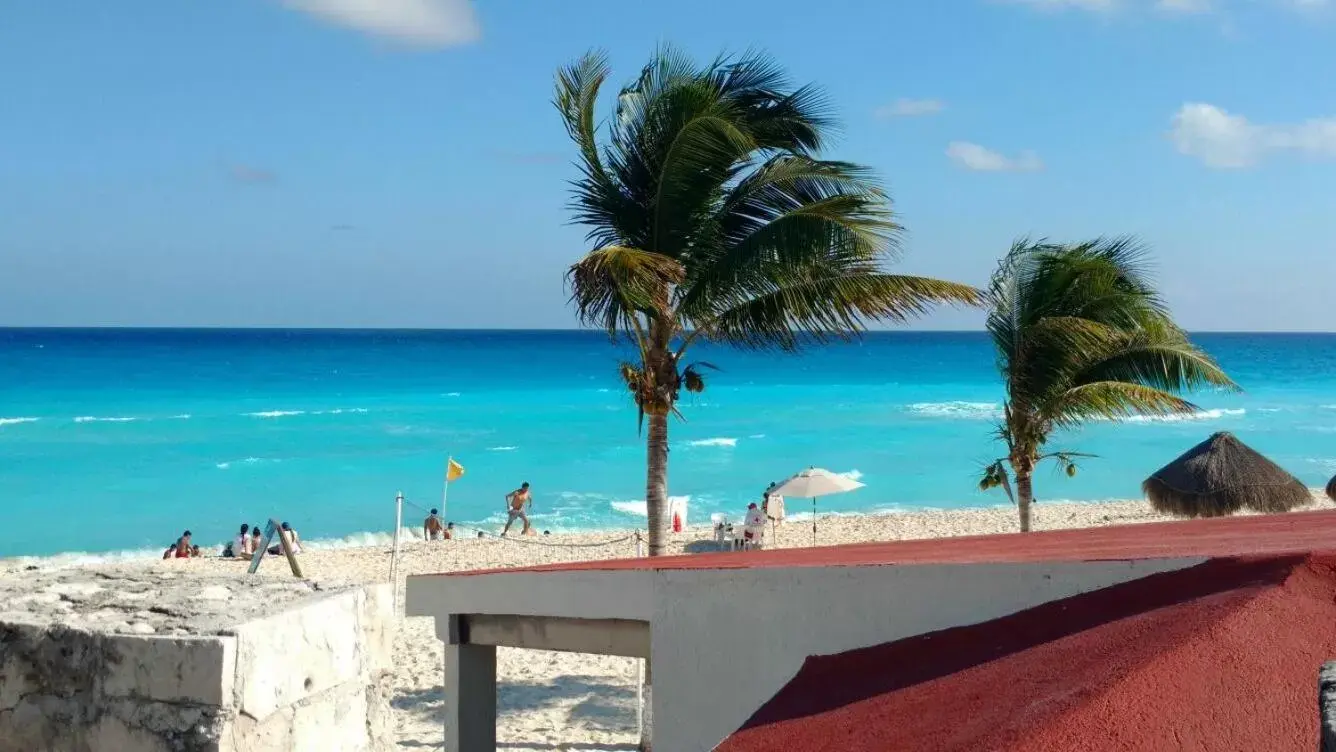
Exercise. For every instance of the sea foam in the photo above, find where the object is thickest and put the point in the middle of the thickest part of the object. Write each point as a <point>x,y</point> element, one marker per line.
<point>1199,415</point>
<point>276,413</point>
<point>958,409</point>
<point>96,419</point>
<point>722,441</point>
<point>16,421</point>
<point>638,507</point>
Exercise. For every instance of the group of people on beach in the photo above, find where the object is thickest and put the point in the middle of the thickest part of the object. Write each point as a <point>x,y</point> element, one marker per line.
<point>518,505</point>
<point>251,539</point>
<point>182,548</point>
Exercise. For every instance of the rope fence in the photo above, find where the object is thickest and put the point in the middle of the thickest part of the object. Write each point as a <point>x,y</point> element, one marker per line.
<point>526,541</point>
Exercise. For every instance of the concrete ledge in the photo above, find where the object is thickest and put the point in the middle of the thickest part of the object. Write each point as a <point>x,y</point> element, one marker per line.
<point>198,670</point>
<point>314,674</point>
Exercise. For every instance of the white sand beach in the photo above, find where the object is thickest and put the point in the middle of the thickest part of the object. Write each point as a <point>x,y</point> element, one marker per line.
<point>558,701</point>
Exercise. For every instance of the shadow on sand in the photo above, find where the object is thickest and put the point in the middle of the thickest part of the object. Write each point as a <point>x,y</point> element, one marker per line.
<point>705,547</point>
<point>599,705</point>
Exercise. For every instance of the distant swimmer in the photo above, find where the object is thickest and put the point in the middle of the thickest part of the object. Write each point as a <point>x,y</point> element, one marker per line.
<point>518,504</point>
<point>432,528</point>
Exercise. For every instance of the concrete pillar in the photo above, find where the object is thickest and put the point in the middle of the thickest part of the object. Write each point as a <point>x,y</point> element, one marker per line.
<point>646,743</point>
<point>470,696</point>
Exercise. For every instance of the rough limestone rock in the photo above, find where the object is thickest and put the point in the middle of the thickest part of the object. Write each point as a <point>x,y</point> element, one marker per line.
<point>1326,701</point>
<point>143,661</point>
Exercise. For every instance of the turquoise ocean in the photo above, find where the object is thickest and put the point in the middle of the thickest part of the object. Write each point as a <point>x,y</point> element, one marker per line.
<point>114,440</point>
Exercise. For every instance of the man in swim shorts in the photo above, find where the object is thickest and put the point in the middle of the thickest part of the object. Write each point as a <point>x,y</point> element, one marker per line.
<point>518,503</point>
<point>432,527</point>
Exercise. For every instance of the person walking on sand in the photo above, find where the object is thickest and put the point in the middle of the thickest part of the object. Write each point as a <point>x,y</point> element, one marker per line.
<point>518,504</point>
<point>432,527</point>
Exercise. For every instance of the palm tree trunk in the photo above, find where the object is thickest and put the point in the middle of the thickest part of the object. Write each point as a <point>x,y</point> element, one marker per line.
<point>656,480</point>
<point>1024,494</point>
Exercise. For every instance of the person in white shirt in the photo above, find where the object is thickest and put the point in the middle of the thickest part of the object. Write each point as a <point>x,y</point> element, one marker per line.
<point>241,545</point>
<point>753,525</point>
<point>294,541</point>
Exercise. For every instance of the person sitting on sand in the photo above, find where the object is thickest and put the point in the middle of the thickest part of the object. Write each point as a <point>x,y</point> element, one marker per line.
<point>294,541</point>
<point>449,530</point>
<point>432,527</point>
<point>240,547</point>
<point>256,540</point>
<point>518,504</point>
<point>180,549</point>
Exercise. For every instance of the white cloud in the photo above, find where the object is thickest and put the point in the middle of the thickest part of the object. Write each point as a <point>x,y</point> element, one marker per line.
<point>982,159</point>
<point>1176,7</point>
<point>1184,7</point>
<point>1225,141</point>
<point>427,23</point>
<point>1091,5</point>
<point>909,108</point>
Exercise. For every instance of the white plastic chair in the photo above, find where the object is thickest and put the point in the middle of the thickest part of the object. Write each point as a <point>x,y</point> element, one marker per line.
<point>720,522</point>
<point>756,539</point>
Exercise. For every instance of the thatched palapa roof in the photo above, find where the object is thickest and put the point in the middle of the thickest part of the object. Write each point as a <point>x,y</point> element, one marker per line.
<point>1220,476</point>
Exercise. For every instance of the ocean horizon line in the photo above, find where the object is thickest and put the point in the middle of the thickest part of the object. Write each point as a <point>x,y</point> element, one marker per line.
<point>546,330</point>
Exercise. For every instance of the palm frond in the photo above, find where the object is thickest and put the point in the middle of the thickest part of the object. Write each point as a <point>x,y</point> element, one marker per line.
<point>1174,365</point>
<point>836,307</point>
<point>1112,400</point>
<point>611,286</point>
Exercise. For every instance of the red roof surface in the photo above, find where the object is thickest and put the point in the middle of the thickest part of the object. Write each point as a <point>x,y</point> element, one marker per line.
<point>1230,536</point>
<point>1220,656</point>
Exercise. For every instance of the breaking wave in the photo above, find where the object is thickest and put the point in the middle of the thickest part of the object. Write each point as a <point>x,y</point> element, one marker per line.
<point>1199,415</point>
<point>247,461</point>
<point>96,419</point>
<point>722,441</point>
<point>958,409</point>
<point>276,413</point>
<point>638,507</point>
<point>16,421</point>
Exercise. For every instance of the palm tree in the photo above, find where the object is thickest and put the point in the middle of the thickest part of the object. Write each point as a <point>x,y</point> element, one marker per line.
<point>711,214</point>
<point>1081,334</point>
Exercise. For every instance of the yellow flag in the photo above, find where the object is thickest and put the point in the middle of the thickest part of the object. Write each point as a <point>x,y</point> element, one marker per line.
<point>453,470</point>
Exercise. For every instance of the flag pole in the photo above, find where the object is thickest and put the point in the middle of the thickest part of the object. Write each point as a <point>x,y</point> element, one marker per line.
<point>445,490</point>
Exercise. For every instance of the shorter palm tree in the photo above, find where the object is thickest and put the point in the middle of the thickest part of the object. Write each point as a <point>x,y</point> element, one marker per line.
<point>1081,334</point>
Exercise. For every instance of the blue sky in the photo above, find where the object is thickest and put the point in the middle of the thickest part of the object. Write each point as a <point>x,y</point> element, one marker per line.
<point>397,162</point>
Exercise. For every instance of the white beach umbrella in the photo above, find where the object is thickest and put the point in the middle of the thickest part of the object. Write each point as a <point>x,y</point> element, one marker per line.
<point>814,482</point>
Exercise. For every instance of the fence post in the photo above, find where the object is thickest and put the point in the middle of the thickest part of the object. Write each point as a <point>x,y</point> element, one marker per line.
<point>643,730</point>
<point>394,554</point>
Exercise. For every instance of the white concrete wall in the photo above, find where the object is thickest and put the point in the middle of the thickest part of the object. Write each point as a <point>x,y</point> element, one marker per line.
<point>725,641</point>
<point>579,594</point>
<point>311,677</point>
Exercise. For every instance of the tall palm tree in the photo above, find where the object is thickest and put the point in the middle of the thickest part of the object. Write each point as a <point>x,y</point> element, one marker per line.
<point>711,214</point>
<point>1081,334</point>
